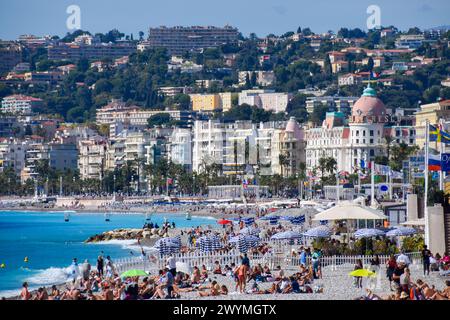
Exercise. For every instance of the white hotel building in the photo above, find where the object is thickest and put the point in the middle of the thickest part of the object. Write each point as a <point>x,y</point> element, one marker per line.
<point>257,146</point>
<point>363,138</point>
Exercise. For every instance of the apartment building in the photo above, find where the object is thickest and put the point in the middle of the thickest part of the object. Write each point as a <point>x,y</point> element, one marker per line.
<point>92,157</point>
<point>12,154</point>
<point>246,148</point>
<point>20,104</point>
<point>180,147</point>
<point>265,99</point>
<point>75,52</point>
<point>178,40</point>
<point>332,103</point>
<point>263,78</point>
<point>135,116</point>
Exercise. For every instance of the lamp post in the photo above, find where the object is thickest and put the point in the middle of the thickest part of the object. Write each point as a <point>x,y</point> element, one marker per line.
<point>114,188</point>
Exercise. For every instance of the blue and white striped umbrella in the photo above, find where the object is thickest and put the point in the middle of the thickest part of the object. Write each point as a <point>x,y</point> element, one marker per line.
<point>368,233</point>
<point>286,235</point>
<point>251,240</point>
<point>273,221</point>
<point>209,243</point>
<point>270,217</point>
<point>166,246</point>
<point>250,230</point>
<point>249,221</point>
<point>401,231</point>
<point>242,245</point>
<point>318,232</point>
<point>298,220</point>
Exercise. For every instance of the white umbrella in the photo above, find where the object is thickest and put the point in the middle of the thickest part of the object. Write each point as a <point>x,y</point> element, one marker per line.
<point>184,267</point>
<point>350,211</point>
<point>368,233</point>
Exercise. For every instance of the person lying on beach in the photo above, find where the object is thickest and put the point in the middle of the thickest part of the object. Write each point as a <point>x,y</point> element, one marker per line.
<point>444,294</point>
<point>214,290</point>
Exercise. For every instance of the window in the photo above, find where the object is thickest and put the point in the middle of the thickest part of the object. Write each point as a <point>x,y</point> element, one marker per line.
<point>372,152</point>
<point>357,140</point>
<point>371,133</point>
<point>357,133</point>
<point>364,133</point>
<point>371,140</point>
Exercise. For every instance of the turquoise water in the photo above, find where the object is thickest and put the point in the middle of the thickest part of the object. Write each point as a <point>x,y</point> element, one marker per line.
<point>50,243</point>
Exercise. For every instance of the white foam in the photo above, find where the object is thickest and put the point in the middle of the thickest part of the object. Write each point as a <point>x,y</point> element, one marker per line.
<point>9,293</point>
<point>49,276</point>
<point>125,244</point>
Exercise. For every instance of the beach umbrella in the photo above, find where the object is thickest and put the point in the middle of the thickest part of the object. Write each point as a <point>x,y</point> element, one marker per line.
<point>251,240</point>
<point>273,221</point>
<point>362,273</point>
<point>401,231</point>
<point>318,232</point>
<point>350,211</point>
<point>183,267</point>
<point>368,233</point>
<point>249,221</point>
<point>286,235</point>
<point>133,273</point>
<point>298,220</point>
<point>224,221</point>
<point>209,243</point>
<point>250,230</point>
<point>270,217</point>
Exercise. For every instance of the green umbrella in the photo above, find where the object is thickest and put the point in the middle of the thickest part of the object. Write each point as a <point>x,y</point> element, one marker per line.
<point>133,273</point>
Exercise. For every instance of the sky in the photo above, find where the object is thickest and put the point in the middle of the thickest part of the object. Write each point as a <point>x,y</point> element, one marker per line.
<point>48,17</point>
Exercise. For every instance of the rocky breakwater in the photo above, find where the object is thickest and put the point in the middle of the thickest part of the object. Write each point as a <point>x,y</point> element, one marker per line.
<point>126,234</point>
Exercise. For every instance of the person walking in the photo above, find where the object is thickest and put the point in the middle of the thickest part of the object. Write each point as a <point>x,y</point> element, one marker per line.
<point>100,264</point>
<point>358,266</point>
<point>391,265</point>
<point>426,254</point>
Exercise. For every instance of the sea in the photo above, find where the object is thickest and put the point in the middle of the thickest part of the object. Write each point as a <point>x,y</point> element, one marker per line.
<point>38,247</point>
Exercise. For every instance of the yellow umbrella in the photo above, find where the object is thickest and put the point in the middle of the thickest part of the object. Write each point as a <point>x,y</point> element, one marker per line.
<point>361,273</point>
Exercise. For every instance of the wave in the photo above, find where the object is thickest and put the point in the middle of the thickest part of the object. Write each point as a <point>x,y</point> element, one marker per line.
<point>9,293</point>
<point>50,276</point>
<point>125,244</point>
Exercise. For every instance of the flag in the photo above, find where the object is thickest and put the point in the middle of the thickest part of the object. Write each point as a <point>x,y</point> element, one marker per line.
<point>382,169</point>
<point>374,75</point>
<point>396,174</point>
<point>434,162</point>
<point>362,164</point>
<point>438,135</point>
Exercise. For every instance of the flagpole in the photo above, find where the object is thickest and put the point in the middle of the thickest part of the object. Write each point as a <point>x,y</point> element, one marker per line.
<point>441,173</point>
<point>372,184</point>
<point>427,226</point>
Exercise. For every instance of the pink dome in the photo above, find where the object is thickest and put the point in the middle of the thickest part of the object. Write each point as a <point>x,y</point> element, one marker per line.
<point>369,106</point>
<point>292,126</point>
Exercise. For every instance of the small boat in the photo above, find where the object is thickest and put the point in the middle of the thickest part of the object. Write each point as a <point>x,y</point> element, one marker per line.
<point>107,215</point>
<point>148,216</point>
<point>188,216</point>
<point>66,216</point>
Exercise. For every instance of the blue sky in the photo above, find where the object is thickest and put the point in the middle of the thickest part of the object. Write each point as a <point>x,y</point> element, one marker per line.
<point>42,17</point>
